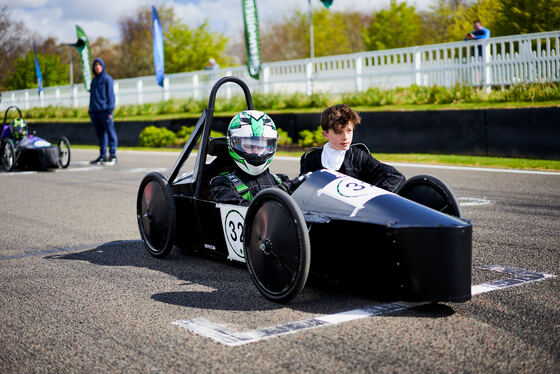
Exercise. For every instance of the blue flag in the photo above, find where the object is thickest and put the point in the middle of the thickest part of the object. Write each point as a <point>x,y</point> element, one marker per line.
<point>38,71</point>
<point>158,47</point>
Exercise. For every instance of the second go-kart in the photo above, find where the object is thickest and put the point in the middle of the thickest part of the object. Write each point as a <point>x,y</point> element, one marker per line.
<point>411,246</point>
<point>21,150</point>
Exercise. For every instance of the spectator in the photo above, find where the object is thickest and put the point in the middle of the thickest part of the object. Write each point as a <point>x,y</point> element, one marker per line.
<point>212,65</point>
<point>101,106</point>
<point>479,32</point>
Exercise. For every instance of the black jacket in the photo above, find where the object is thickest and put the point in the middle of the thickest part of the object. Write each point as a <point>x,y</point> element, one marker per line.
<point>358,163</point>
<point>222,189</point>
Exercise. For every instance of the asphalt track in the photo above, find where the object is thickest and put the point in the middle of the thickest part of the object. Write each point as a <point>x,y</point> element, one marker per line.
<point>79,293</point>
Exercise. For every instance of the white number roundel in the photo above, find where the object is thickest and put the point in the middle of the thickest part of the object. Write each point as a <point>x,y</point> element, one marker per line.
<point>234,231</point>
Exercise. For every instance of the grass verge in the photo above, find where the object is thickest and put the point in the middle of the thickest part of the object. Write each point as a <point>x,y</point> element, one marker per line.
<point>454,160</point>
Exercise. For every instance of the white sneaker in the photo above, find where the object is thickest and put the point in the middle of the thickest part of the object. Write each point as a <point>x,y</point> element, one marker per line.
<point>110,161</point>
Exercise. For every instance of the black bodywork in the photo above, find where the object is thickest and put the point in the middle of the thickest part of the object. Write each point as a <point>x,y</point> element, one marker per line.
<point>387,245</point>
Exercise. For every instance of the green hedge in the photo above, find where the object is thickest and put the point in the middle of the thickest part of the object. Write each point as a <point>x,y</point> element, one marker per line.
<point>153,136</point>
<point>372,97</point>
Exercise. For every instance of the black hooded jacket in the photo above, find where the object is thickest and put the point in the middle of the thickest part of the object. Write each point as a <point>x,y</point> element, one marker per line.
<point>358,163</point>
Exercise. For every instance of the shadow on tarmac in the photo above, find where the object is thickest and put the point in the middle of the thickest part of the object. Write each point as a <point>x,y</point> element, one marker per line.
<point>233,289</point>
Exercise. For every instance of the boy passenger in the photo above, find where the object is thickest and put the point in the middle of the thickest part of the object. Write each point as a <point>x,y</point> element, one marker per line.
<point>339,154</point>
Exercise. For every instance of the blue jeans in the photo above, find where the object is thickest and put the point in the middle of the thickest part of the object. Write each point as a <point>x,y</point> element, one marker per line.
<point>105,130</point>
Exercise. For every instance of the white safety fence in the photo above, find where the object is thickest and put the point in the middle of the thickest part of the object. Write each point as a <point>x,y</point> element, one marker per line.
<point>492,62</point>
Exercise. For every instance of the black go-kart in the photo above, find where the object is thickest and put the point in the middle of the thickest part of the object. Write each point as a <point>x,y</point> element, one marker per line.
<point>31,151</point>
<point>411,246</point>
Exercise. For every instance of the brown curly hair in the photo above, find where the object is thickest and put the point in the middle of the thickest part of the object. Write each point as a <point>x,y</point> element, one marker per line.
<point>337,116</point>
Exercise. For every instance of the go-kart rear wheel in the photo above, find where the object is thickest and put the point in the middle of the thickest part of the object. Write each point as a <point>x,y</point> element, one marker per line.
<point>8,155</point>
<point>277,248</point>
<point>155,211</point>
<point>431,192</point>
<point>63,152</point>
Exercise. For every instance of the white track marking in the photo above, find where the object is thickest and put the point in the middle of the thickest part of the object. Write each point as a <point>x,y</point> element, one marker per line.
<point>16,173</point>
<point>448,167</point>
<point>231,337</point>
<point>472,201</point>
<point>468,168</point>
<point>143,170</point>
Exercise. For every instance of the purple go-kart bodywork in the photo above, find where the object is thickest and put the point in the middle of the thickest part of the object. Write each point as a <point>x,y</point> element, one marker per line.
<point>31,152</point>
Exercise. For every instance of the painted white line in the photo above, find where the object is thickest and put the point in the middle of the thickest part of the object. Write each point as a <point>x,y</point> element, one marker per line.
<point>231,337</point>
<point>73,170</point>
<point>468,168</point>
<point>16,173</point>
<point>164,153</point>
<point>472,201</point>
<point>143,170</point>
<point>447,167</point>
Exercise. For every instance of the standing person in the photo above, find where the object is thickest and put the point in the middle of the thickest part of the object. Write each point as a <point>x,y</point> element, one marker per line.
<point>214,67</point>
<point>101,106</point>
<point>479,32</point>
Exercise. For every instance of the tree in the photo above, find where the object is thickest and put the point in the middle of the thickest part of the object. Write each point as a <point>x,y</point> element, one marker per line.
<point>523,16</point>
<point>396,27</point>
<point>334,33</point>
<point>15,39</point>
<point>54,73</point>
<point>136,47</point>
<point>450,20</point>
<point>189,49</point>
<point>109,52</point>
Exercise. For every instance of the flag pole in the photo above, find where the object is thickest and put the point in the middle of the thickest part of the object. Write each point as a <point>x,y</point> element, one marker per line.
<point>71,67</point>
<point>311,41</point>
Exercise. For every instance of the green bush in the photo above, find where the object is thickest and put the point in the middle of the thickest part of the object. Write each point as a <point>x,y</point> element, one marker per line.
<point>284,138</point>
<point>153,136</point>
<point>185,132</point>
<point>309,138</point>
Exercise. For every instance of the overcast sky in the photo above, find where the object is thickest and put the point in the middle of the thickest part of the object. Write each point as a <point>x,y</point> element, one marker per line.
<point>100,17</point>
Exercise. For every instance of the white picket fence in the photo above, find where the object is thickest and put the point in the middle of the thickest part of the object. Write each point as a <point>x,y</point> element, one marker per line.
<point>492,62</point>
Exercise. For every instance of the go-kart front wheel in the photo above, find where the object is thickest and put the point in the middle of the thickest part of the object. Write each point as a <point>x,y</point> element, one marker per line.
<point>63,152</point>
<point>277,248</point>
<point>155,211</point>
<point>8,155</point>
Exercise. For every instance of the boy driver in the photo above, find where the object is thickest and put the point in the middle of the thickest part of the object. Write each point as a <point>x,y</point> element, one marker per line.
<point>252,138</point>
<point>338,123</point>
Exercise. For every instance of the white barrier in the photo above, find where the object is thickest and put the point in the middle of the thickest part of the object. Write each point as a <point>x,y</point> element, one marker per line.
<point>498,61</point>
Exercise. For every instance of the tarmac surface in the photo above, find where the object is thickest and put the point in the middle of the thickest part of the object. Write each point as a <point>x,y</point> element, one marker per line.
<point>81,294</point>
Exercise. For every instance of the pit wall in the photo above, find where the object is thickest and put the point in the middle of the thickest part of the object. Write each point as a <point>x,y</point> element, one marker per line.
<point>527,133</point>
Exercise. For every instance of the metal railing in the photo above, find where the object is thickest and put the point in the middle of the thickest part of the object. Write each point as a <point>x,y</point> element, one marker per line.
<point>498,61</point>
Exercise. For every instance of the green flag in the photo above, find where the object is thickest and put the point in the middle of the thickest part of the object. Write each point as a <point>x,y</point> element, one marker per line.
<point>252,38</point>
<point>83,48</point>
<point>327,3</point>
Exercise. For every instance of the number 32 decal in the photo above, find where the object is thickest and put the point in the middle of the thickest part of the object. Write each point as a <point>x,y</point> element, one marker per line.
<point>233,224</point>
<point>234,233</point>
